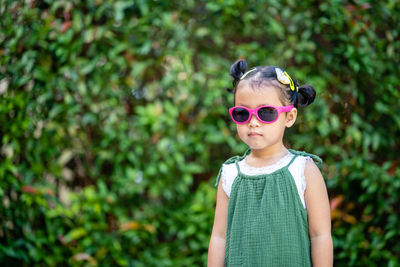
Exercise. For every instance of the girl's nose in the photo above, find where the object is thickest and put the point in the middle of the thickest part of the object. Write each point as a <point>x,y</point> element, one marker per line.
<point>254,122</point>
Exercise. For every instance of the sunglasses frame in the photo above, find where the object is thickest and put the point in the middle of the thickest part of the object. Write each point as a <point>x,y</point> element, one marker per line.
<point>255,112</point>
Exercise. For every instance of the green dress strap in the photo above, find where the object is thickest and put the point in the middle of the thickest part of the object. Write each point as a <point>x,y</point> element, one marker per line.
<point>231,160</point>
<point>318,161</point>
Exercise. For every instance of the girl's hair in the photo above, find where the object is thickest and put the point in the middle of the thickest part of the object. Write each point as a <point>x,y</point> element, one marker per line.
<point>291,92</point>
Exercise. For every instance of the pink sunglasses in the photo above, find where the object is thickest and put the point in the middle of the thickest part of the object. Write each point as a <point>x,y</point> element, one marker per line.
<point>265,114</point>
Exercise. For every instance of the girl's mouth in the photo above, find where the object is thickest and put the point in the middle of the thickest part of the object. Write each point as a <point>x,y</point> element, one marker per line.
<point>254,134</point>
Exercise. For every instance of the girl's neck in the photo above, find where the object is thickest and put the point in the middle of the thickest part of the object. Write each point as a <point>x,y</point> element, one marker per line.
<point>263,157</point>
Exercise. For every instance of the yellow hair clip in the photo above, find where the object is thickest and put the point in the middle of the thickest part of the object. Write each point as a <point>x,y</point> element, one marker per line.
<point>284,78</point>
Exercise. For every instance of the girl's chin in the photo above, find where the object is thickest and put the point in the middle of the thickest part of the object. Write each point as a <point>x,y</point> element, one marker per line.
<point>256,146</point>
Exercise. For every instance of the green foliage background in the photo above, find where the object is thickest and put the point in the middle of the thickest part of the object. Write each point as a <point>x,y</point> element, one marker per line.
<point>114,123</point>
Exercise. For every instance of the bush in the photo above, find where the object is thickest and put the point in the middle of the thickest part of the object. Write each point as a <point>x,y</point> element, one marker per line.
<point>114,123</point>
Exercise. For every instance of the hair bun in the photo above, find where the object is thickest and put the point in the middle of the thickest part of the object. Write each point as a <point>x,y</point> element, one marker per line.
<point>306,95</point>
<point>238,69</point>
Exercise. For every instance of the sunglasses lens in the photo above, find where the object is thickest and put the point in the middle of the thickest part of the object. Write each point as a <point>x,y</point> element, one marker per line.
<point>267,114</point>
<point>240,114</point>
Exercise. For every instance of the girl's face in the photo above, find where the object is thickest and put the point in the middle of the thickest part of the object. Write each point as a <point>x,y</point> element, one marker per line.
<point>256,134</point>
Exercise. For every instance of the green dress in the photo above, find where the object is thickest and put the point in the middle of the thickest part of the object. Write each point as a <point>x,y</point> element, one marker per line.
<point>267,223</point>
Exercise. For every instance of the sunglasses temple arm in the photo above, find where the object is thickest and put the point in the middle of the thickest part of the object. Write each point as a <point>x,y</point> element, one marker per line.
<point>287,108</point>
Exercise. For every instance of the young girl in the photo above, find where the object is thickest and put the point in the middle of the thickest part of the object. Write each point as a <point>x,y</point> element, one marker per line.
<point>272,203</point>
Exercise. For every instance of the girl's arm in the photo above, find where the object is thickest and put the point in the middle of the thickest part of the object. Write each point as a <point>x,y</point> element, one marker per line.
<point>216,249</point>
<point>319,218</point>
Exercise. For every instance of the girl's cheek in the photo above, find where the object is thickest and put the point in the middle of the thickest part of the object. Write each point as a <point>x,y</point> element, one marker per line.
<point>240,130</point>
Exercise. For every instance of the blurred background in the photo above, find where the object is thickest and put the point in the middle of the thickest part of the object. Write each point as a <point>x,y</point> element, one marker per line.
<point>114,123</point>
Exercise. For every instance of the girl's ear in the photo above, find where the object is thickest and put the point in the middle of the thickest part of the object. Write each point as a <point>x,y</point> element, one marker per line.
<point>291,117</point>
